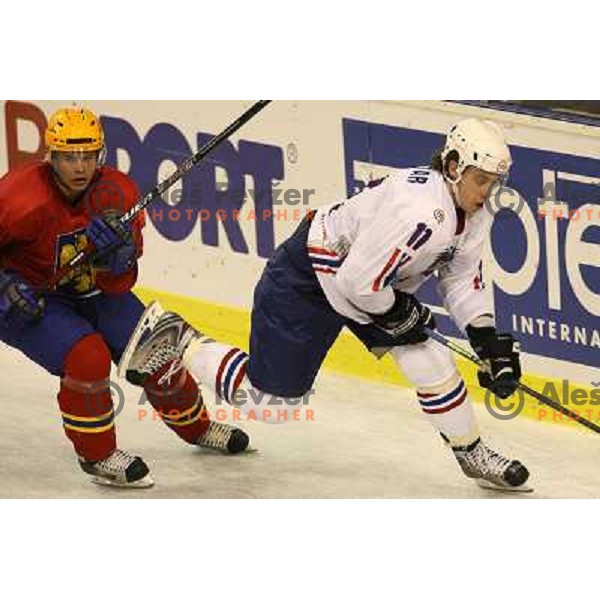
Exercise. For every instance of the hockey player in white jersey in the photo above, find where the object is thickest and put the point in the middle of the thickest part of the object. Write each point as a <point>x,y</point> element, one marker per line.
<point>358,263</point>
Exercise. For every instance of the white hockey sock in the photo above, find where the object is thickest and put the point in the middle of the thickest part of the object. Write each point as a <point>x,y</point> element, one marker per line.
<point>218,366</point>
<point>450,411</point>
<point>222,369</point>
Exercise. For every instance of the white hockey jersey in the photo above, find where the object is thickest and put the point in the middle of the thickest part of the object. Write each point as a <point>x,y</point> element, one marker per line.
<point>396,235</point>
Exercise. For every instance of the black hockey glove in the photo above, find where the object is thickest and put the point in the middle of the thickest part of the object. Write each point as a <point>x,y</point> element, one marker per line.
<point>500,351</point>
<point>406,320</point>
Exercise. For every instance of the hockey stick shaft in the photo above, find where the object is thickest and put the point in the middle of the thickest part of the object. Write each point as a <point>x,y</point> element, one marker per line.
<point>438,337</point>
<point>193,160</point>
<point>164,185</point>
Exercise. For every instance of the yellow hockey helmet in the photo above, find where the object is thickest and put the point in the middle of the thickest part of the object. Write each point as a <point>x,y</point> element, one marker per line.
<point>72,129</point>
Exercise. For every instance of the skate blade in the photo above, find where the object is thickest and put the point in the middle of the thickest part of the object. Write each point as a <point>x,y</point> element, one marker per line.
<point>144,482</point>
<point>148,320</point>
<point>249,450</point>
<point>488,485</point>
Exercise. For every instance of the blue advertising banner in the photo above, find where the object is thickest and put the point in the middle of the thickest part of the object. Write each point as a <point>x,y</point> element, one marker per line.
<point>545,267</point>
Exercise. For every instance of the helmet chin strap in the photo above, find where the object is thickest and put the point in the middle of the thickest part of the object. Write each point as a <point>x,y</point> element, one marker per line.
<point>453,183</point>
<point>101,158</point>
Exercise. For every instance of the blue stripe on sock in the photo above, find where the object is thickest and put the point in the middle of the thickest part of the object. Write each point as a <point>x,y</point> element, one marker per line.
<point>230,371</point>
<point>447,398</point>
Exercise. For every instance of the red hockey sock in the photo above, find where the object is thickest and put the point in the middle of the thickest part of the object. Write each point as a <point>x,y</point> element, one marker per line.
<point>84,399</point>
<point>179,403</point>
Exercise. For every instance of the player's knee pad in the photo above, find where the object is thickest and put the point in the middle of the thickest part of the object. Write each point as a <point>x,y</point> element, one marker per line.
<point>426,365</point>
<point>88,362</point>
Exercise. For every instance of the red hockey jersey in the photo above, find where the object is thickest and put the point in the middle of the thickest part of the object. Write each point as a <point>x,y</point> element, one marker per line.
<point>40,230</point>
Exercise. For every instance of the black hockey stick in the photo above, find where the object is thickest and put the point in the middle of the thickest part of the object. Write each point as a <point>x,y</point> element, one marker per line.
<point>164,185</point>
<point>438,337</point>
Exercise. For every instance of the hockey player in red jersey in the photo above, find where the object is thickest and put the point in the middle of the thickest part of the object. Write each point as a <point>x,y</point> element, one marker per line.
<point>49,211</point>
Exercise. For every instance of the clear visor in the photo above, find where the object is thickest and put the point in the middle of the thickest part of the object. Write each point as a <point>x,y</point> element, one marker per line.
<point>78,156</point>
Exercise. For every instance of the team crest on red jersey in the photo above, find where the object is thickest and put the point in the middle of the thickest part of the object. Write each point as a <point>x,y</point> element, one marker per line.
<point>82,280</point>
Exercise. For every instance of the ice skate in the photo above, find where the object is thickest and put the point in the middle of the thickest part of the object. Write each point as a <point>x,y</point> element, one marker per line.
<point>223,437</point>
<point>491,470</point>
<point>160,337</point>
<point>120,469</point>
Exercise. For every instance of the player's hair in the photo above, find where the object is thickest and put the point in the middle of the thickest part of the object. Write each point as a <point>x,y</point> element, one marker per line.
<point>438,165</point>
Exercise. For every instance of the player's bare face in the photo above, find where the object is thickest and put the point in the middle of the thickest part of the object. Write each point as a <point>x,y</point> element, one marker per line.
<point>75,170</point>
<point>473,189</point>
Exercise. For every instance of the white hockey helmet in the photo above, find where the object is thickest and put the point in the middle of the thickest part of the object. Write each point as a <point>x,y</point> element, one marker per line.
<point>478,144</point>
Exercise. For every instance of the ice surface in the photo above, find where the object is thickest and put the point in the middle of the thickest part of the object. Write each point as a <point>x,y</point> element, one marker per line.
<point>367,440</point>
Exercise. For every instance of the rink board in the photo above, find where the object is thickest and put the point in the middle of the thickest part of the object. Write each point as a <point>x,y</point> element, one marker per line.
<point>541,272</point>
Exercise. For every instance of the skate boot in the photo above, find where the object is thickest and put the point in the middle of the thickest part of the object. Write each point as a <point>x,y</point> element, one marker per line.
<point>492,470</point>
<point>120,469</point>
<point>159,338</point>
<point>223,437</point>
